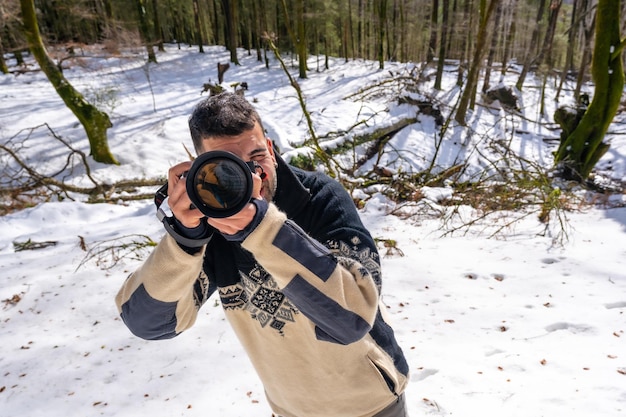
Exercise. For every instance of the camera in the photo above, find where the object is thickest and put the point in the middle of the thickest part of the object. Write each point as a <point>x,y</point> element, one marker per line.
<point>219,184</point>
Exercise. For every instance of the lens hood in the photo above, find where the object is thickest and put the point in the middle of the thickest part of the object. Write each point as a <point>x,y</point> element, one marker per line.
<point>219,184</point>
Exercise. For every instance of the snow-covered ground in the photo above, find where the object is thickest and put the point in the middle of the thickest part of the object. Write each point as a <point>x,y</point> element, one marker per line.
<point>522,324</point>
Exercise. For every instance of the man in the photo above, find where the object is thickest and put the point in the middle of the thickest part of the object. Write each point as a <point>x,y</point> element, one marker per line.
<point>297,273</point>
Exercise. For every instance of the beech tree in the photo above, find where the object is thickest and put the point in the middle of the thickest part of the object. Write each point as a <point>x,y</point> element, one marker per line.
<point>93,120</point>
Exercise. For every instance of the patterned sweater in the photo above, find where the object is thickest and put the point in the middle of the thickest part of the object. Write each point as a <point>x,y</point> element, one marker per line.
<point>302,293</point>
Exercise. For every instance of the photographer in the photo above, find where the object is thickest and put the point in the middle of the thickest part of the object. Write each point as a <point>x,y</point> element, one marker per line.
<point>297,273</point>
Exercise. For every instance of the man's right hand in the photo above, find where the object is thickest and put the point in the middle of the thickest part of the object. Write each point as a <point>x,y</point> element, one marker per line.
<point>179,201</point>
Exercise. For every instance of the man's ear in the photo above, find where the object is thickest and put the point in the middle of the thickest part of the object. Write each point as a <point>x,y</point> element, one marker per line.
<point>270,146</point>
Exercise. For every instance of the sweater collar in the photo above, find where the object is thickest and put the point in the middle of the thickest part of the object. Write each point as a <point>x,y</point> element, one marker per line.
<point>291,195</point>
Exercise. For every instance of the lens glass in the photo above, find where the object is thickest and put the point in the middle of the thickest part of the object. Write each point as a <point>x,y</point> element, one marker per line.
<point>220,184</point>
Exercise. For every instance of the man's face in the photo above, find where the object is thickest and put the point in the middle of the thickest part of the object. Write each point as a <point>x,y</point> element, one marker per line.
<point>251,145</point>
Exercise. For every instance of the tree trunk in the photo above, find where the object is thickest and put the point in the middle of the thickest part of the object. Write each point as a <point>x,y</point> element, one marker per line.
<point>492,48</point>
<point>510,36</point>
<point>259,29</point>
<point>296,34</point>
<point>434,20</point>
<point>530,54</point>
<point>571,42</point>
<point>231,12</point>
<point>217,33</point>
<point>158,33</point>
<point>3,64</point>
<point>465,44</point>
<point>94,121</point>
<point>443,42</point>
<point>545,56</point>
<point>143,29</point>
<point>588,29</point>
<point>301,39</point>
<point>403,33</point>
<point>382,20</point>
<point>583,148</point>
<point>196,21</point>
<point>472,77</point>
<point>351,31</point>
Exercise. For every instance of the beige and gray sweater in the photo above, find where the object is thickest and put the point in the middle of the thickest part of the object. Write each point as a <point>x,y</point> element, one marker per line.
<point>302,293</point>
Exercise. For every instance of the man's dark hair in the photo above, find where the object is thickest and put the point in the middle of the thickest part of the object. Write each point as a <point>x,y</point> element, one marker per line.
<point>225,114</point>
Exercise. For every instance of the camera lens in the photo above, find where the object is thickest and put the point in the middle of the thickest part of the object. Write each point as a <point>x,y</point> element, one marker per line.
<point>219,184</point>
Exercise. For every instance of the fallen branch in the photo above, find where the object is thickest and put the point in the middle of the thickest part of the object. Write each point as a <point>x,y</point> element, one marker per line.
<point>32,245</point>
<point>108,253</point>
<point>22,185</point>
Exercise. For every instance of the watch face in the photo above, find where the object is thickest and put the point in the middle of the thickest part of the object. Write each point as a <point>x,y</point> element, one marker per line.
<point>219,184</point>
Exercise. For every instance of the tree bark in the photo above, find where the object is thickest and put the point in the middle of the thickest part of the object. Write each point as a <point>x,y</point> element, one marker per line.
<point>583,148</point>
<point>94,121</point>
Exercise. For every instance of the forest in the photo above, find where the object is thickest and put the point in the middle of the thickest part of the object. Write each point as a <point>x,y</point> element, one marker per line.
<point>557,40</point>
<point>551,35</point>
<point>483,142</point>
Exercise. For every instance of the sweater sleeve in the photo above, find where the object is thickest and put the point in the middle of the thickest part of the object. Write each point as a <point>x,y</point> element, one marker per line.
<point>157,301</point>
<point>338,294</point>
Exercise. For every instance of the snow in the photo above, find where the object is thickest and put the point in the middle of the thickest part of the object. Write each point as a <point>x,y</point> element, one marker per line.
<point>526,322</point>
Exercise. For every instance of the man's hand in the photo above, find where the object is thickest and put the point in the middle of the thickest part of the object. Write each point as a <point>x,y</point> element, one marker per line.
<point>190,217</point>
<point>179,201</point>
<point>237,222</point>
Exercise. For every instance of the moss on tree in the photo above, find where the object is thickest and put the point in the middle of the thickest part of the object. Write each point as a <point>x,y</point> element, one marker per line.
<point>95,122</point>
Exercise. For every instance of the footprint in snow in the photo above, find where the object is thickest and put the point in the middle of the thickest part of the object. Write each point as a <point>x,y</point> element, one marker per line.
<point>619,304</point>
<point>423,374</point>
<point>574,328</point>
<point>549,261</point>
